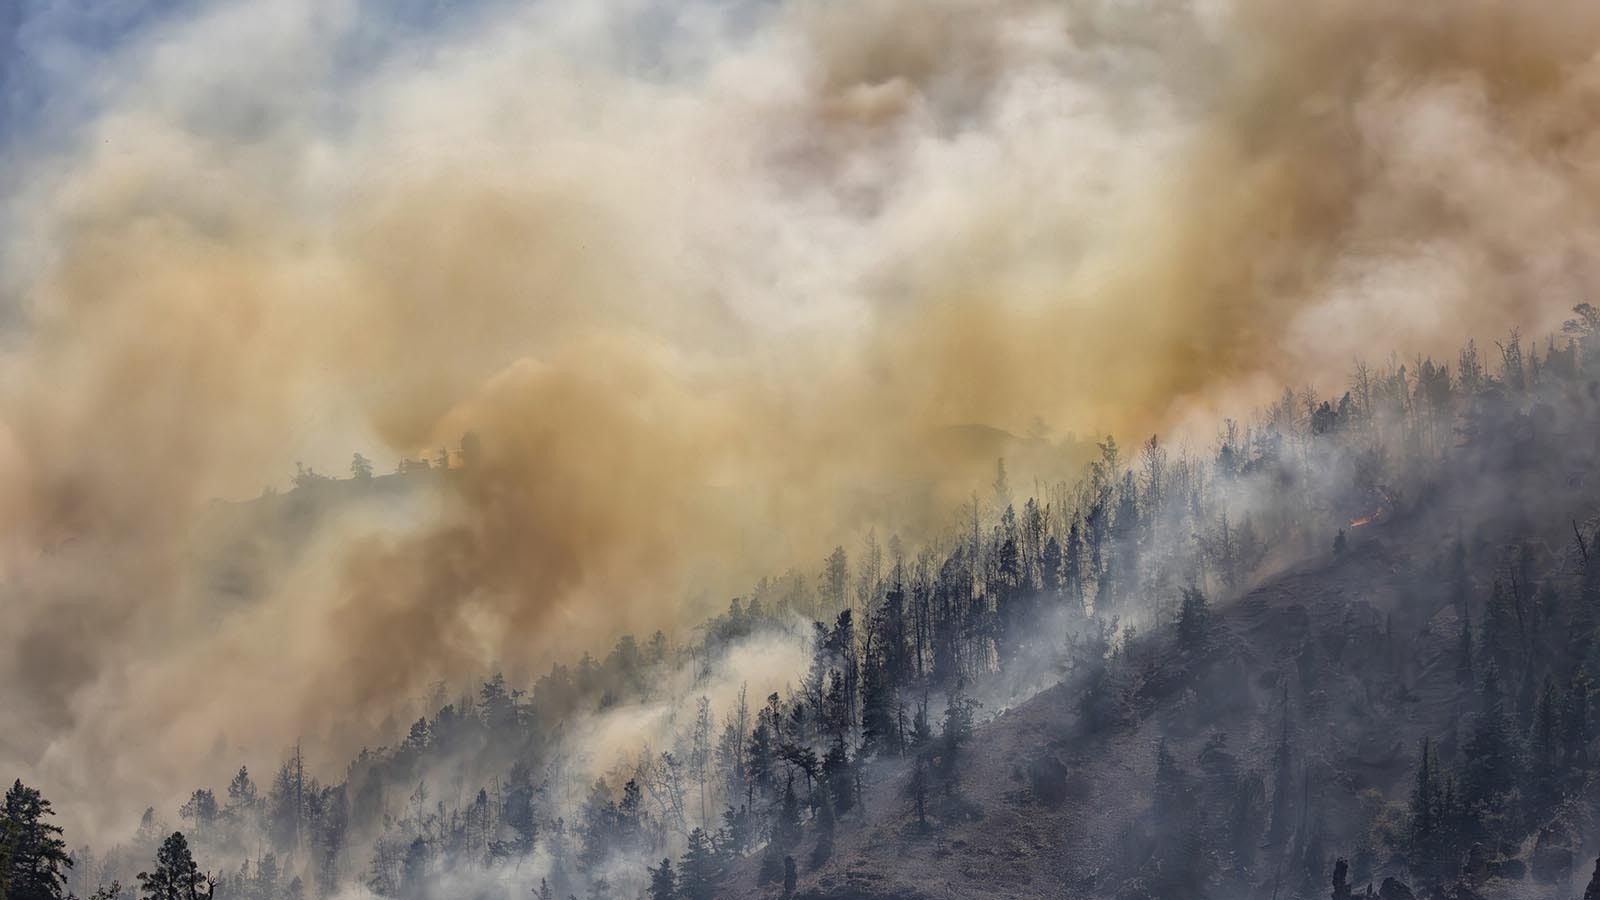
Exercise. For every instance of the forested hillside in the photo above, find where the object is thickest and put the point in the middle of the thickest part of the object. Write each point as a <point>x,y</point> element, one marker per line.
<point>1353,642</point>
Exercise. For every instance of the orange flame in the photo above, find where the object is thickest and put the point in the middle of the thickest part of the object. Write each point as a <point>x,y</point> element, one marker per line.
<point>1369,518</point>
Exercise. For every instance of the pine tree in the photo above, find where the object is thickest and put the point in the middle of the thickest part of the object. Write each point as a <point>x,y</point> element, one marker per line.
<point>176,877</point>
<point>877,714</point>
<point>1072,567</point>
<point>663,882</point>
<point>414,868</point>
<point>242,799</point>
<point>330,838</point>
<point>956,729</point>
<point>202,810</point>
<point>1492,759</point>
<point>839,776</point>
<point>33,857</point>
<point>921,728</point>
<point>700,869</point>
<point>1424,837</point>
<point>286,801</point>
<point>1546,743</point>
<point>1194,618</point>
<point>786,830</point>
<point>556,844</point>
<point>264,886</point>
<point>1050,560</point>
<point>517,812</point>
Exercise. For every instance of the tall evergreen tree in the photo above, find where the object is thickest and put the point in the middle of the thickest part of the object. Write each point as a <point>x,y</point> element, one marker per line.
<point>663,882</point>
<point>1194,618</point>
<point>176,877</point>
<point>786,828</point>
<point>517,812</point>
<point>1492,759</point>
<point>33,857</point>
<point>700,870</point>
<point>1545,782</point>
<point>1425,835</point>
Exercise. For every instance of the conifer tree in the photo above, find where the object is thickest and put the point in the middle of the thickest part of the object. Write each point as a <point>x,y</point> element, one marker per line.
<point>33,857</point>
<point>1425,832</point>
<point>786,830</point>
<point>700,870</point>
<point>1492,765</point>
<point>1546,746</point>
<point>663,882</point>
<point>1194,618</point>
<point>176,877</point>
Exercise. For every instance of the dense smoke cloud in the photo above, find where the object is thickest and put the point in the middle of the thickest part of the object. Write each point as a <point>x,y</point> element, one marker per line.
<point>708,281</point>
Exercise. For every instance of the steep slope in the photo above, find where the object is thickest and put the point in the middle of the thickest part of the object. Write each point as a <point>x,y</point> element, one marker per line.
<point>1341,662</point>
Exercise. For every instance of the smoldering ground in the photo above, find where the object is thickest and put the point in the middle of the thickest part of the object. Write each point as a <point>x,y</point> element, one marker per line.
<point>703,278</point>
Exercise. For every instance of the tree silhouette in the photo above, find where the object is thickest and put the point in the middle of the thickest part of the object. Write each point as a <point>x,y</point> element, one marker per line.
<point>1194,618</point>
<point>176,877</point>
<point>663,882</point>
<point>33,858</point>
<point>700,870</point>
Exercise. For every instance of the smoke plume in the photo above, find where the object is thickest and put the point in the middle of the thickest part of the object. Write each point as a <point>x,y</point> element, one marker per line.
<point>715,286</point>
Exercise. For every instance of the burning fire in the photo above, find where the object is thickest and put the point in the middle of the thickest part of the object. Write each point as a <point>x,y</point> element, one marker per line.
<point>1369,518</point>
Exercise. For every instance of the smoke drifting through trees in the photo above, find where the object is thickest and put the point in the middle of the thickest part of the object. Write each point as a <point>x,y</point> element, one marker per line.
<point>702,287</point>
<point>1108,582</point>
